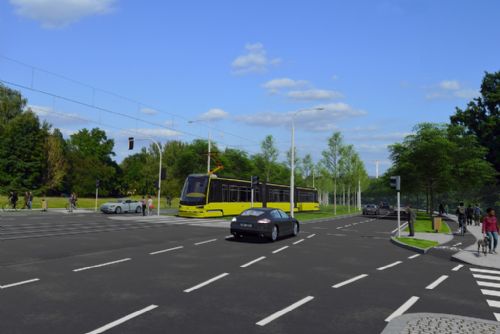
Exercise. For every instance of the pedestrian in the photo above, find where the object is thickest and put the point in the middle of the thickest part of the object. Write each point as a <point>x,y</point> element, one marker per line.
<point>150,205</point>
<point>460,212</point>
<point>70,203</point>
<point>490,229</point>
<point>470,214</point>
<point>477,215</point>
<point>143,205</point>
<point>25,198</point>
<point>169,201</point>
<point>441,209</point>
<point>44,203</point>
<point>15,198</point>
<point>446,208</point>
<point>30,200</point>
<point>412,216</point>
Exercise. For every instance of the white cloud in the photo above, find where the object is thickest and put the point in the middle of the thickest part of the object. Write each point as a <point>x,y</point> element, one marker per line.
<point>254,61</point>
<point>155,133</point>
<point>59,13</point>
<point>275,85</point>
<point>314,94</point>
<point>320,118</point>
<point>214,114</point>
<point>449,85</point>
<point>56,118</point>
<point>466,93</point>
<point>149,111</point>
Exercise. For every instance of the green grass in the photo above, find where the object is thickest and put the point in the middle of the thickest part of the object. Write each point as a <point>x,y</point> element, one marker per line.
<point>83,203</point>
<point>425,225</point>
<point>420,243</point>
<point>324,212</point>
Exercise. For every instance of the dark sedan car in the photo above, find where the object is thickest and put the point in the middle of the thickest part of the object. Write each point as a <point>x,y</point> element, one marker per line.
<point>264,222</point>
<point>370,210</point>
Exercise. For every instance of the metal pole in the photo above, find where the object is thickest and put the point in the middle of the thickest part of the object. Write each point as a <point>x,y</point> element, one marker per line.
<point>251,196</point>
<point>313,176</point>
<point>399,218</point>
<point>159,180</point>
<point>209,149</point>
<point>359,194</point>
<point>96,196</point>
<point>292,170</point>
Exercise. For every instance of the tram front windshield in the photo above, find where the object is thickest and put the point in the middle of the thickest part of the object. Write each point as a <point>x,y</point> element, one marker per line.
<point>194,191</point>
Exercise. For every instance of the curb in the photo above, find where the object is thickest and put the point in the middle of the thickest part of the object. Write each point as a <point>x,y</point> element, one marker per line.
<point>409,247</point>
<point>321,220</point>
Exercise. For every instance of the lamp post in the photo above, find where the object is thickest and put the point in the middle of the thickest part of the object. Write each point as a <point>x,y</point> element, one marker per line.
<point>209,142</point>
<point>292,161</point>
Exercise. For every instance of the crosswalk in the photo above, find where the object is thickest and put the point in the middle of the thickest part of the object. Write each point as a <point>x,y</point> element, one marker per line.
<point>489,282</point>
<point>173,220</point>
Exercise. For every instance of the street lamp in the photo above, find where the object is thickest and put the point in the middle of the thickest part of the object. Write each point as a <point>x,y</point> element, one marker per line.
<point>209,143</point>
<point>292,160</point>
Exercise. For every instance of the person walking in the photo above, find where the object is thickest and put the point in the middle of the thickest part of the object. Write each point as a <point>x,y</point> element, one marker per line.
<point>70,203</point>
<point>150,205</point>
<point>460,212</point>
<point>30,200</point>
<point>441,209</point>
<point>25,206</point>
<point>490,229</point>
<point>470,214</point>
<point>477,215</point>
<point>446,208</point>
<point>412,216</point>
<point>143,205</point>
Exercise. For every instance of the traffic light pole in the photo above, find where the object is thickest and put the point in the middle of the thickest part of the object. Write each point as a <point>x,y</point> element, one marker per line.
<point>399,216</point>
<point>251,191</point>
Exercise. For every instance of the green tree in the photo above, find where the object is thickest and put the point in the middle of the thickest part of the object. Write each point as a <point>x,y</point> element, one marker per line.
<point>56,164</point>
<point>331,157</point>
<point>269,155</point>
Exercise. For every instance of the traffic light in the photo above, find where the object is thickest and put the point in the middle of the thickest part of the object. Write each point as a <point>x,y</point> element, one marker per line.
<point>163,173</point>
<point>130,143</point>
<point>97,183</point>
<point>396,182</point>
<point>255,181</point>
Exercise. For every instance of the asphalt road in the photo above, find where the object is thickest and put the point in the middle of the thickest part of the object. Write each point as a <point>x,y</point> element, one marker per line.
<point>92,273</point>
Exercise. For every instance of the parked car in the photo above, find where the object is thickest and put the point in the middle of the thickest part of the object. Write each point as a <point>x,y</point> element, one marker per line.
<point>384,209</point>
<point>264,222</point>
<point>370,210</point>
<point>122,206</point>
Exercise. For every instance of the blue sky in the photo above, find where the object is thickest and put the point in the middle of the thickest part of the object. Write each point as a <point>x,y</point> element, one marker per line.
<point>376,68</point>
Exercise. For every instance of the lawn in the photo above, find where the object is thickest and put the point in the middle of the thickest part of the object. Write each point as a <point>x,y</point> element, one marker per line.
<point>420,243</point>
<point>425,225</point>
<point>83,203</point>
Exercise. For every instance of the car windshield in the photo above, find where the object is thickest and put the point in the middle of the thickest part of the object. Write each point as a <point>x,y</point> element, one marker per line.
<point>253,213</point>
<point>194,190</point>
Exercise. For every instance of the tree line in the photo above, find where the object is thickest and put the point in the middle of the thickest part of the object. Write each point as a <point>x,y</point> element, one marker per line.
<point>36,157</point>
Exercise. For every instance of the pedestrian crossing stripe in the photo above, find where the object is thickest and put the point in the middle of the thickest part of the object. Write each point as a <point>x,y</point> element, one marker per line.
<point>493,275</point>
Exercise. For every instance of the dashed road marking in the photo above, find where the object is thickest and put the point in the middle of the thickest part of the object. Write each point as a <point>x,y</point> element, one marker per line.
<point>284,311</point>
<point>338,285</point>
<point>205,242</point>
<point>457,268</point>
<point>280,249</point>
<point>390,265</point>
<point>298,241</point>
<point>229,236</point>
<point>102,265</point>
<point>436,282</point>
<point>413,256</point>
<point>122,320</point>
<point>403,308</point>
<point>166,250</point>
<point>252,262</point>
<point>310,236</point>
<point>206,282</point>
<point>458,244</point>
<point>19,283</point>
<point>485,271</point>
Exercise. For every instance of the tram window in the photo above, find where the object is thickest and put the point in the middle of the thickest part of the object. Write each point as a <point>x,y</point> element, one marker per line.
<point>233,193</point>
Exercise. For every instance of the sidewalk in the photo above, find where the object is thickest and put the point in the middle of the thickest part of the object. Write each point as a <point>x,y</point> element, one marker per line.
<point>470,255</point>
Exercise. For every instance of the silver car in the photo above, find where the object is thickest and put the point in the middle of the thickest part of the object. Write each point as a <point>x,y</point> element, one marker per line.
<point>122,206</point>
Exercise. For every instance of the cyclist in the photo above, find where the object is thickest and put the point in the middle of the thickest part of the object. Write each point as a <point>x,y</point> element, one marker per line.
<point>460,212</point>
<point>13,199</point>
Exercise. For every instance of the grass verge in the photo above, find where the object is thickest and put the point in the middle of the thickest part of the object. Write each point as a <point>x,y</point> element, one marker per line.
<point>420,243</point>
<point>425,225</point>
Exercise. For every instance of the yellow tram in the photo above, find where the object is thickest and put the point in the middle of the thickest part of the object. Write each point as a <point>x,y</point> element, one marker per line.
<point>210,196</point>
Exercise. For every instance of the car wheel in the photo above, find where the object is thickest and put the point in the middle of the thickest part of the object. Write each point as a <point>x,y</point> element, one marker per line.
<point>138,209</point>
<point>118,210</point>
<point>274,233</point>
<point>295,229</point>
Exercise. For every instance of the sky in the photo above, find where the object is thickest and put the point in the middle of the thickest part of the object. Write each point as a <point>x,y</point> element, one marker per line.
<point>238,71</point>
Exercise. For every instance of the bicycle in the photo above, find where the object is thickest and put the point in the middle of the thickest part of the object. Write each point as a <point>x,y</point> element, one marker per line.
<point>9,206</point>
<point>70,207</point>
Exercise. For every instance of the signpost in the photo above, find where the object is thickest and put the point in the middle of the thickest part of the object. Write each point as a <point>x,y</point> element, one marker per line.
<point>255,183</point>
<point>396,184</point>
<point>96,193</point>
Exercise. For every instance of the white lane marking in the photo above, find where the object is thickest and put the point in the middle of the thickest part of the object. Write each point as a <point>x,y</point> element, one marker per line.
<point>390,265</point>
<point>102,265</point>
<point>489,284</point>
<point>486,271</point>
<point>402,228</point>
<point>497,315</point>
<point>458,244</point>
<point>347,225</point>
<point>493,278</point>
<point>166,250</point>
<point>229,236</point>
<point>284,311</point>
<point>205,242</point>
<point>493,293</point>
<point>19,283</point>
<point>338,228</point>
<point>298,241</point>
<point>413,256</point>
<point>280,249</point>
<point>403,308</point>
<point>457,268</point>
<point>206,282</point>
<point>338,285</point>
<point>436,282</point>
<point>122,320</point>
<point>310,236</point>
<point>493,303</point>
<point>252,262</point>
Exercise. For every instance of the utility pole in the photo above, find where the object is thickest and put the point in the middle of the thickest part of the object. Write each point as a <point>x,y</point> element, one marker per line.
<point>292,170</point>
<point>209,152</point>
<point>396,184</point>
<point>96,193</point>
<point>376,168</point>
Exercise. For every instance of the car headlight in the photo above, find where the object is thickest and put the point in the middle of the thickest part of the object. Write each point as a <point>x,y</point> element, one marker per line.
<point>234,220</point>
<point>263,221</point>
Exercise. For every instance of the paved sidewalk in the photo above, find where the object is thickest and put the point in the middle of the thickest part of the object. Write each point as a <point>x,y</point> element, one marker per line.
<point>441,238</point>
<point>470,254</point>
<point>425,323</point>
